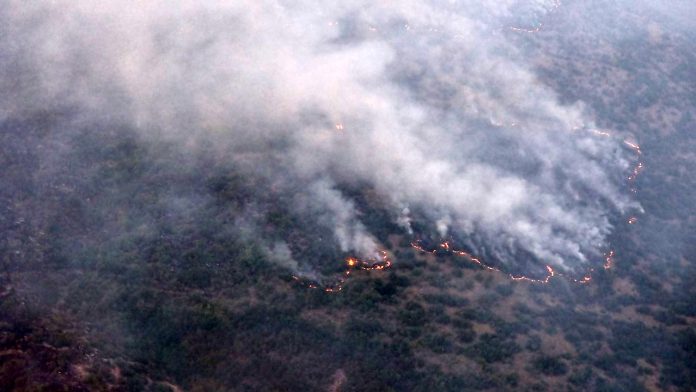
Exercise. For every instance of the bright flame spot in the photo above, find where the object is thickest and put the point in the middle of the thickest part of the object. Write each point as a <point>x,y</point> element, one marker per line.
<point>633,146</point>
<point>600,133</point>
<point>609,260</point>
<point>636,171</point>
<point>384,261</point>
<point>550,272</point>
<point>380,263</point>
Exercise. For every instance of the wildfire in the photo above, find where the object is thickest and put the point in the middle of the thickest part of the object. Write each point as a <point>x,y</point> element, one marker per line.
<point>585,279</point>
<point>633,146</point>
<point>600,133</point>
<point>418,247</point>
<point>474,260</point>
<point>609,260</point>
<point>446,247</point>
<point>550,274</point>
<point>383,261</point>
<point>636,171</point>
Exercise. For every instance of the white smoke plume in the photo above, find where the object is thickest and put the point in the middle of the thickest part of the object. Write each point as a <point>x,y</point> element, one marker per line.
<point>426,101</point>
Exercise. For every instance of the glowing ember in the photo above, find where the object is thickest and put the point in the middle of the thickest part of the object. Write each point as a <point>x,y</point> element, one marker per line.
<point>636,171</point>
<point>474,260</point>
<point>551,273</point>
<point>609,260</point>
<point>417,246</point>
<point>600,133</point>
<point>379,263</point>
<point>585,279</point>
<point>633,146</point>
<point>383,261</point>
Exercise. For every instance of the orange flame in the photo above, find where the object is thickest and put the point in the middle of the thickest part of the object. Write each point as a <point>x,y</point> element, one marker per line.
<point>384,261</point>
<point>633,146</point>
<point>551,273</point>
<point>381,263</point>
<point>609,260</point>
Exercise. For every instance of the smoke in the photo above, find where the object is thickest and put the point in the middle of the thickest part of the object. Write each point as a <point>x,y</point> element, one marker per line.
<point>428,102</point>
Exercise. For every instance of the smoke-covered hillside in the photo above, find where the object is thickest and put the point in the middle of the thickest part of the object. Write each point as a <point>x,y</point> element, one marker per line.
<point>360,196</point>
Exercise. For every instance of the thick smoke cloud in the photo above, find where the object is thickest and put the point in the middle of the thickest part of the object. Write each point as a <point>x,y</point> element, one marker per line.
<point>428,102</point>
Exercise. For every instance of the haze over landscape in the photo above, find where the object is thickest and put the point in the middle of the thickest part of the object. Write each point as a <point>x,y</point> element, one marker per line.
<point>412,195</point>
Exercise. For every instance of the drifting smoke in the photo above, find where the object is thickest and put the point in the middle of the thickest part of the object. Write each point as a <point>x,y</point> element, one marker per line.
<point>426,101</point>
